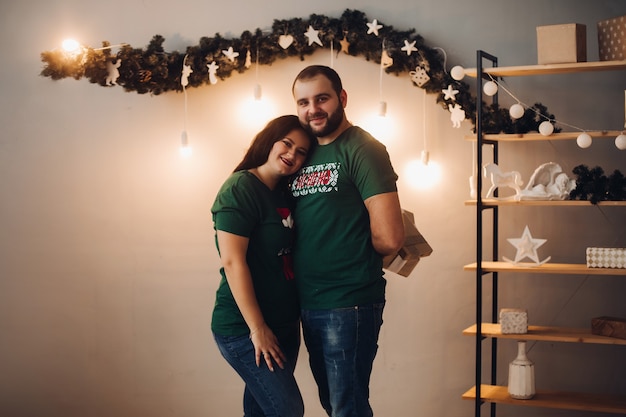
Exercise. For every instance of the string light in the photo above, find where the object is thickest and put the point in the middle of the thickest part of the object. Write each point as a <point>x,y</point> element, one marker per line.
<point>546,128</point>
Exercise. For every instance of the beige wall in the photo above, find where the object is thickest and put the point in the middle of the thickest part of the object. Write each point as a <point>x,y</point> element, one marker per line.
<point>107,263</point>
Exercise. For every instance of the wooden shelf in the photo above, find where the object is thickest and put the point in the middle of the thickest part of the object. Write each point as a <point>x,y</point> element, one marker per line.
<point>552,399</point>
<point>547,268</point>
<point>560,203</point>
<point>547,69</point>
<point>536,136</point>
<point>547,334</point>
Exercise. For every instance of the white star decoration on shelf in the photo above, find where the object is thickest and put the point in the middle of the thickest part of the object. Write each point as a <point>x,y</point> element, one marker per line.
<point>230,54</point>
<point>450,94</point>
<point>409,47</point>
<point>373,27</point>
<point>527,248</point>
<point>313,36</point>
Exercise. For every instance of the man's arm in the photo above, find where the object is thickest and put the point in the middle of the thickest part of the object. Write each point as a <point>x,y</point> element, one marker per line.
<point>386,222</point>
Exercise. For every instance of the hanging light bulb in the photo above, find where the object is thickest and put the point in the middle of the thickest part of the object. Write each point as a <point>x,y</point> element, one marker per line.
<point>425,157</point>
<point>490,88</point>
<point>185,149</point>
<point>620,141</point>
<point>257,92</point>
<point>382,108</point>
<point>457,72</point>
<point>70,45</point>
<point>516,111</point>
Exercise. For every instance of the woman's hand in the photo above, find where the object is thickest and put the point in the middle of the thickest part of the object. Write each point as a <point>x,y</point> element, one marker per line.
<point>266,347</point>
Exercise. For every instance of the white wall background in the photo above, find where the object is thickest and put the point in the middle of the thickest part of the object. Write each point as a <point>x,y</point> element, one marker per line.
<point>107,263</point>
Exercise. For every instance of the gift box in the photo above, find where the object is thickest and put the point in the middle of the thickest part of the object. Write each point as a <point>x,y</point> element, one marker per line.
<point>609,326</point>
<point>415,247</point>
<point>606,257</point>
<point>612,39</point>
<point>513,321</point>
<point>559,44</point>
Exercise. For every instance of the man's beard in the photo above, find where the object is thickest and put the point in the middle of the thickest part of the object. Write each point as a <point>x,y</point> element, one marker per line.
<point>333,121</point>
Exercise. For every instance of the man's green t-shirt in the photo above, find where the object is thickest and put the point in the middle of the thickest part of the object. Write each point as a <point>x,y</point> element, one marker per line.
<point>246,207</point>
<point>334,260</point>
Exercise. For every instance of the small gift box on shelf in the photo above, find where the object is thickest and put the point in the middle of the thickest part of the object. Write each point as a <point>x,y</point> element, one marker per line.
<point>606,257</point>
<point>415,247</point>
<point>609,326</point>
<point>612,39</point>
<point>559,44</point>
<point>513,321</point>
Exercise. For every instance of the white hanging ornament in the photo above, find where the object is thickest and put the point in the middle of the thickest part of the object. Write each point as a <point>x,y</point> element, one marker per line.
<point>546,128</point>
<point>184,78</point>
<point>313,36</point>
<point>457,72</point>
<point>419,76</point>
<point>583,140</point>
<point>230,53</point>
<point>373,27</point>
<point>113,72</point>
<point>516,111</point>
<point>212,71</point>
<point>490,88</point>
<point>248,62</point>
<point>620,142</point>
<point>385,60</point>
<point>450,93</point>
<point>409,47</point>
<point>285,41</point>
<point>457,115</point>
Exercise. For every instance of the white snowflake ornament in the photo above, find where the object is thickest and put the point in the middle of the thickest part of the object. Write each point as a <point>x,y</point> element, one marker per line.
<point>230,54</point>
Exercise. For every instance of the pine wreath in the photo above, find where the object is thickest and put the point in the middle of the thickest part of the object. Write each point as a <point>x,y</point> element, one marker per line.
<point>155,71</point>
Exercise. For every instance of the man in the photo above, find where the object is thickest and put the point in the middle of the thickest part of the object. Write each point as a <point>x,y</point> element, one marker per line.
<point>349,217</point>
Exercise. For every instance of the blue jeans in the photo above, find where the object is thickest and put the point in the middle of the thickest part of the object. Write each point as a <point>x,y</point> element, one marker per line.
<point>342,345</point>
<point>266,393</point>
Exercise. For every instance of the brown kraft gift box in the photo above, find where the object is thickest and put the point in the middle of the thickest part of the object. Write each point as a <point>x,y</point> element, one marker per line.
<point>414,248</point>
<point>560,44</point>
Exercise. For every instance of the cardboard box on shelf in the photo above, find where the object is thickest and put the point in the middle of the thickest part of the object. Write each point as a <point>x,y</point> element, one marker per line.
<point>612,39</point>
<point>609,326</point>
<point>415,247</point>
<point>560,44</point>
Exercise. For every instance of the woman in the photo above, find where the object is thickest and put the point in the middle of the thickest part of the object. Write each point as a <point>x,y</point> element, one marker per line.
<point>256,318</point>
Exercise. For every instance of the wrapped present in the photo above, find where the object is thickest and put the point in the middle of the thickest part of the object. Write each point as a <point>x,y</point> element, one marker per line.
<point>609,326</point>
<point>606,257</point>
<point>559,44</point>
<point>612,39</point>
<point>415,247</point>
<point>513,321</point>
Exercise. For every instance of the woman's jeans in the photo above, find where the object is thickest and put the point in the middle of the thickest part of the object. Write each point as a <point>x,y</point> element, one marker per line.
<point>342,345</point>
<point>267,393</point>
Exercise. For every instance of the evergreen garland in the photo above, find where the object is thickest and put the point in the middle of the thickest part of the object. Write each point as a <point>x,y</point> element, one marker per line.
<point>153,70</point>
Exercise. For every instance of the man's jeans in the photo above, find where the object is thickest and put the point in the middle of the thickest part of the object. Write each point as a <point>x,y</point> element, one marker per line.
<point>342,345</point>
<point>267,393</point>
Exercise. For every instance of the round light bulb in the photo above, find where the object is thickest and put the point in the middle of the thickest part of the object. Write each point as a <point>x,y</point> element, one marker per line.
<point>516,111</point>
<point>490,88</point>
<point>620,142</point>
<point>457,72</point>
<point>70,45</point>
<point>546,128</point>
<point>583,140</point>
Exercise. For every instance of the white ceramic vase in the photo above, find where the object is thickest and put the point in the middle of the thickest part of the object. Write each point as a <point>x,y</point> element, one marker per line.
<point>521,375</point>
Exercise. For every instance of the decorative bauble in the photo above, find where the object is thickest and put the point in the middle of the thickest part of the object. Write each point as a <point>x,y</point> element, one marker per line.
<point>583,140</point>
<point>620,142</point>
<point>516,111</point>
<point>546,128</point>
<point>457,72</point>
<point>490,88</point>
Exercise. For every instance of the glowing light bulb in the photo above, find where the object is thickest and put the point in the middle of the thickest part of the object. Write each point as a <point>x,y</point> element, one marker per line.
<point>70,45</point>
<point>185,149</point>
<point>382,108</point>
<point>423,175</point>
<point>257,92</point>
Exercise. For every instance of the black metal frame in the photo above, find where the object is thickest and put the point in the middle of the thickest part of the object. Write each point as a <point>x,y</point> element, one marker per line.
<point>480,208</point>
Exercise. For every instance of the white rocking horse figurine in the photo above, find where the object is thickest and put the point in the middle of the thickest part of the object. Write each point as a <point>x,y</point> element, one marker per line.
<point>499,179</point>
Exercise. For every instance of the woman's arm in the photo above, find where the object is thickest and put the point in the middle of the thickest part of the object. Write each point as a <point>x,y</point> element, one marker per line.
<point>233,250</point>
